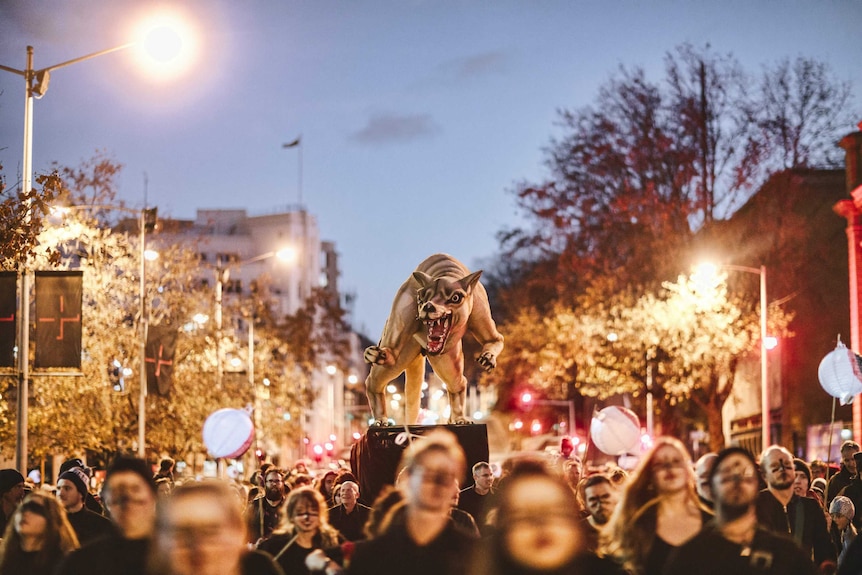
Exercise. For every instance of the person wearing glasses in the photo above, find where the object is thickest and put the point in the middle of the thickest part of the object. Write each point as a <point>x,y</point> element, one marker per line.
<point>263,514</point>
<point>304,528</point>
<point>417,536</point>
<point>733,542</point>
<point>782,511</point>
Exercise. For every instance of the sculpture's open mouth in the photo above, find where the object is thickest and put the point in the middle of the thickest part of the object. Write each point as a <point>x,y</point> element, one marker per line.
<point>438,331</point>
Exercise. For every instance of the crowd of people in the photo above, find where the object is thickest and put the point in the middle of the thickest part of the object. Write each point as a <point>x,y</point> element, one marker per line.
<point>728,512</point>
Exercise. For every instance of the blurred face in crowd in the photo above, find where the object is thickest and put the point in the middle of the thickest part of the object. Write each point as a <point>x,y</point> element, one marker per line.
<point>701,473</point>
<point>601,499</point>
<point>800,484</point>
<point>274,486</point>
<point>670,470</point>
<point>306,516</point>
<point>778,469</point>
<point>31,520</point>
<point>848,460</point>
<point>840,521</point>
<point>201,534</point>
<point>69,496</point>
<point>328,482</point>
<point>132,504</point>
<point>735,485</point>
<point>573,473</point>
<point>431,482</point>
<point>349,494</point>
<point>14,496</point>
<point>483,478</point>
<point>540,528</point>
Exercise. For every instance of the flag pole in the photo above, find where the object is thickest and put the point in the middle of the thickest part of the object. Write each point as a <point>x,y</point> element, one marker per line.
<point>297,143</point>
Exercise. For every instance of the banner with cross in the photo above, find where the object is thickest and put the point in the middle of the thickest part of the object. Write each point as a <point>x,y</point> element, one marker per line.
<point>58,319</point>
<point>8,317</point>
<point>161,344</point>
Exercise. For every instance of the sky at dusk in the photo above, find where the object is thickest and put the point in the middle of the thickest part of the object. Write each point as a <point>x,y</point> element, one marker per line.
<point>417,117</point>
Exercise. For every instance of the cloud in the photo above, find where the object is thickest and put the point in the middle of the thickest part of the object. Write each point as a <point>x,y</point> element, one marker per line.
<point>476,66</point>
<point>389,128</point>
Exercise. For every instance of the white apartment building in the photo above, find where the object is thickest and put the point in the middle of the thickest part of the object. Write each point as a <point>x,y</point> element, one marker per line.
<point>246,246</point>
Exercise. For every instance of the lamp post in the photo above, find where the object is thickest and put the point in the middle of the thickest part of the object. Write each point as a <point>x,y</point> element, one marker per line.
<point>766,419</point>
<point>35,86</point>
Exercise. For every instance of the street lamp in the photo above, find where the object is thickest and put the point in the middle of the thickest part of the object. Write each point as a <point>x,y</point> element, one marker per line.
<point>35,86</point>
<point>766,342</point>
<point>222,272</point>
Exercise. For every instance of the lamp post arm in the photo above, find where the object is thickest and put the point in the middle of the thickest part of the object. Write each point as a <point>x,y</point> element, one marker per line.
<point>82,58</point>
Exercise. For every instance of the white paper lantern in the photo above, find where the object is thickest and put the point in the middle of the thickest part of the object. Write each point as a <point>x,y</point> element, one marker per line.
<point>840,374</point>
<point>615,430</point>
<point>228,433</point>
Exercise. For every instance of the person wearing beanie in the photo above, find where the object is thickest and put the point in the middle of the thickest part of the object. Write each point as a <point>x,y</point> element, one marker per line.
<point>72,492</point>
<point>11,494</point>
<point>90,502</point>
<point>818,489</point>
<point>843,533</point>
<point>130,497</point>
<point>802,480</point>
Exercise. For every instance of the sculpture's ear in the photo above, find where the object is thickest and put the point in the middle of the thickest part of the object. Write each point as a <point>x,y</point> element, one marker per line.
<point>424,279</point>
<point>467,282</point>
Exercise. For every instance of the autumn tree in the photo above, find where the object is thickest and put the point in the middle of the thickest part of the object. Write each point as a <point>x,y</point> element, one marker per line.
<point>681,343</point>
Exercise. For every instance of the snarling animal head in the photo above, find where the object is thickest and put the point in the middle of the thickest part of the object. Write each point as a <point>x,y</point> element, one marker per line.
<point>443,307</point>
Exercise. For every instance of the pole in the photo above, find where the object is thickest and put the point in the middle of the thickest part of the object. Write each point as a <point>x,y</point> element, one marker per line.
<point>650,418</point>
<point>764,363</point>
<point>24,338</point>
<point>142,293</point>
<point>572,430</point>
<point>218,319</point>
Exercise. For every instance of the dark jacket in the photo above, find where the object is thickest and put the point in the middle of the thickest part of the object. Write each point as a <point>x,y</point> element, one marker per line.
<point>836,483</point>
<point>709,553</point>
<point>395,553</point>
<point>801,512</point>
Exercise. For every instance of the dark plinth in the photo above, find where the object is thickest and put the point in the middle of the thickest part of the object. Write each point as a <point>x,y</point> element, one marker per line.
<point>375,457</point>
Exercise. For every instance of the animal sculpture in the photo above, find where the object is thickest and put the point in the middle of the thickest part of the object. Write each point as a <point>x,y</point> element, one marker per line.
<point>432,311</point>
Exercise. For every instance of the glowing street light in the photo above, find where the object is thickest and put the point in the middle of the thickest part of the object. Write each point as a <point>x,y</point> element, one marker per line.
<point>35,86</point>
<point>709,271</point>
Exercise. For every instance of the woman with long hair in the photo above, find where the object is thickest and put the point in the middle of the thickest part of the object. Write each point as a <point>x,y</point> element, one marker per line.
<point>658,511</point>
<point>325,485</point>
<point>304,527</point>
<point>37,538</point>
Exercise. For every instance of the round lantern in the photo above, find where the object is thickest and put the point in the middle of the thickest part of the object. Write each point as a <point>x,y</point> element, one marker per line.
<point>840,374</point>
<point>228,433</point>
<point>616,430</point>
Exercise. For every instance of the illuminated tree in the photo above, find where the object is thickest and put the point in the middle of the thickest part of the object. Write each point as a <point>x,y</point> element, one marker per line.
<point>692,334</point>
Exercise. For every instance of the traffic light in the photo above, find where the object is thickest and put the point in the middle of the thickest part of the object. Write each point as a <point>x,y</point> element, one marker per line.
<point>150,219</point>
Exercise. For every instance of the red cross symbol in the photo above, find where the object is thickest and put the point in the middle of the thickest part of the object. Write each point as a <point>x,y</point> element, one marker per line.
<point>63,320</point>
<point>9,319</point>
<point>160,361</point>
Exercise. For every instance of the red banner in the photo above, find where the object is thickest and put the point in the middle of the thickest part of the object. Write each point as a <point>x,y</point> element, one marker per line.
<point>161,343</point>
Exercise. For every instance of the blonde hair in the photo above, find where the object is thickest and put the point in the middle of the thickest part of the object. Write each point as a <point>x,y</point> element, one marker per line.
<point>630,533</point>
